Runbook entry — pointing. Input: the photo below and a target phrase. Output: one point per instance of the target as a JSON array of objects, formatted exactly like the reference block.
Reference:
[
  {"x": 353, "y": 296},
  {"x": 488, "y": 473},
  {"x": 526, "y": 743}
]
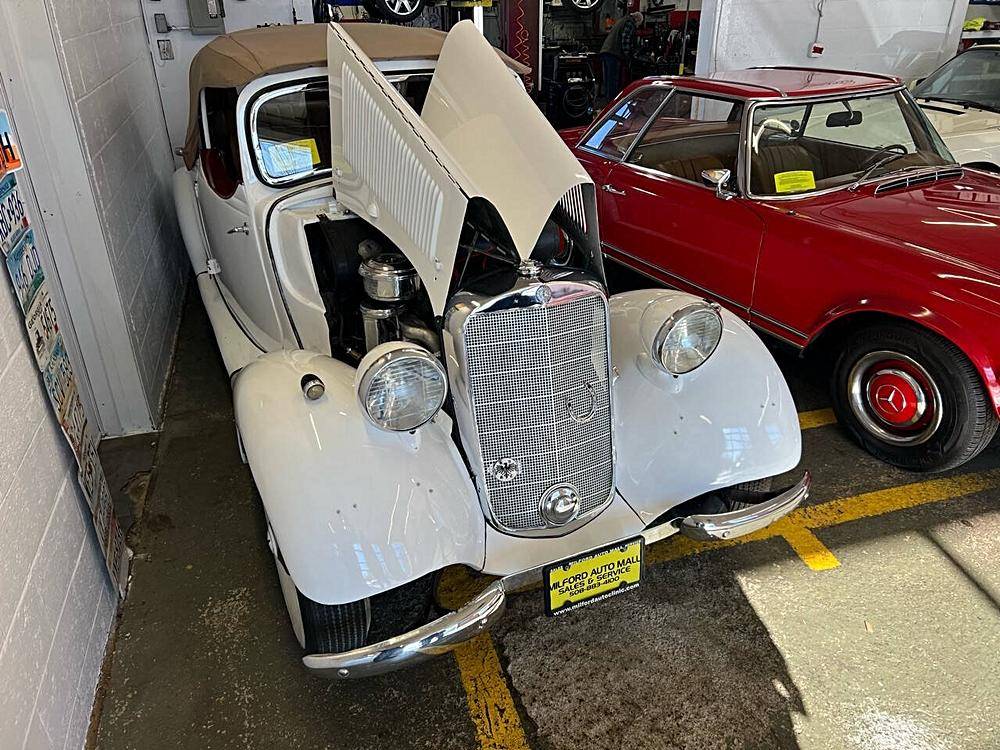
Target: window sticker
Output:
[
  {"x": 795, "y": 181},
  {"x": 309, "y": 143},
  {"x": 291, "y": 157}
]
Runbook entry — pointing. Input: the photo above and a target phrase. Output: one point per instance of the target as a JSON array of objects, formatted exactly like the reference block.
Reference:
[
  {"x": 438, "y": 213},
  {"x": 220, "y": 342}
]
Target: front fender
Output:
[
  {"x": 355, "y": 510},
  {"x": 731, "y": 420}
]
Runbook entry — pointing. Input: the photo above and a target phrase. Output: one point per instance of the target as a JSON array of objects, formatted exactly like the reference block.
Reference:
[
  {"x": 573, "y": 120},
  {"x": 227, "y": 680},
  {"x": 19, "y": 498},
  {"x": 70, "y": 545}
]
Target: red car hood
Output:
[{"x": 958, "y": 218}]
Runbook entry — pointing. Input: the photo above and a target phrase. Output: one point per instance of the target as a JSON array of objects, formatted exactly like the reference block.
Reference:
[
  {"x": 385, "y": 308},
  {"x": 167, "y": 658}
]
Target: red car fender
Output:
[{"x": 917, "y": 314}]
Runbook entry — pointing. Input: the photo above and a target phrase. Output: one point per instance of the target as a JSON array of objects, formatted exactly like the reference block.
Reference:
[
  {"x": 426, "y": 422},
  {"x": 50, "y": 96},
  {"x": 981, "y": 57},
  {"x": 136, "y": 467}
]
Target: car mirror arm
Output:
[{"x": 719, "y": 178}]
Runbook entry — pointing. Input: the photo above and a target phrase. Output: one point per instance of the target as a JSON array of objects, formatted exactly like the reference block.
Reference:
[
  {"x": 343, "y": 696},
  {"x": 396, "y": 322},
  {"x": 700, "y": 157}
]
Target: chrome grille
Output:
[{"x": 525, "y": 366}]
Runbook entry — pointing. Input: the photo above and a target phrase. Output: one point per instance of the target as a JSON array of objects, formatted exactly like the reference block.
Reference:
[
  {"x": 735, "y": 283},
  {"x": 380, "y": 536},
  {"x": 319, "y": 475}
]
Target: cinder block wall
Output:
[
  {"x": 110, "y": 81},
  {"x": 56, "y": 604}
]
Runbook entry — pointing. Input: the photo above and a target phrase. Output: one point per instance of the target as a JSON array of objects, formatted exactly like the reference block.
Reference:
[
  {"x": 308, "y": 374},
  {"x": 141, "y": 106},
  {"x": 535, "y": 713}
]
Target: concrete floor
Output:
[{"x": 741, "y": 647}]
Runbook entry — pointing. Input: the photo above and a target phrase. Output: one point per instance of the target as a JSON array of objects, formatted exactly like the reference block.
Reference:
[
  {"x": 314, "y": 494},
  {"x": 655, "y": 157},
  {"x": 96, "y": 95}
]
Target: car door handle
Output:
[
  {"x": 236, "y": 230},
  {"x": 612, "y": 189}
]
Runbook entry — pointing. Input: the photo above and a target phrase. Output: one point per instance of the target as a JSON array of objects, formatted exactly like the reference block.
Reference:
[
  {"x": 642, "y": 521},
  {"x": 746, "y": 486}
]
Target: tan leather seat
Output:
[
  {"x": 772, "y": 160},
  {"x": 690, "y": 169}
]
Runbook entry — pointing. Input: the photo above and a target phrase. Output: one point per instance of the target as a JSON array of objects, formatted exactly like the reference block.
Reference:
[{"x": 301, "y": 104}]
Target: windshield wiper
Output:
[
  {"x": 960, "y": 102},
  {"x": 880, "y": 163}
]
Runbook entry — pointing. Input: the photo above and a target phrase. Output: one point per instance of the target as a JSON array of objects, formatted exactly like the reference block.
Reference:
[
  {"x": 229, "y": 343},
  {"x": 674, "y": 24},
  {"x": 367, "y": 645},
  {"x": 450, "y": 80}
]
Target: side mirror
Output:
[{"x": 719, "y": 178}]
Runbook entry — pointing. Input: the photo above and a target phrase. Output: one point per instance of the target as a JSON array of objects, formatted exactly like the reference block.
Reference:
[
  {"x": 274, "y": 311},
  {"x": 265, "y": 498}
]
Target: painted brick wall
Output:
[
  {"x": 908, "y": 38},
  {"x": 109, "y": 75},
  {"x": 56, "y": 603}
]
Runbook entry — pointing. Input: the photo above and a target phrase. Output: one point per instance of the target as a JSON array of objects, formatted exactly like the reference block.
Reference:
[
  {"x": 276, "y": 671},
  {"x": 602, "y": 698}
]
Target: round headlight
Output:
[
  {"x": 401, "y": 386},
  {"x": 687, "y": 338}
]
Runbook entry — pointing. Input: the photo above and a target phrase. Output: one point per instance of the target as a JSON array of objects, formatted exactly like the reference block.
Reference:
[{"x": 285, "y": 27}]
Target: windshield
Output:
[
  {"x": 291, "y": 127},
  {"x": 800, "y": 148},
  {"x": 971, "y": 78}
]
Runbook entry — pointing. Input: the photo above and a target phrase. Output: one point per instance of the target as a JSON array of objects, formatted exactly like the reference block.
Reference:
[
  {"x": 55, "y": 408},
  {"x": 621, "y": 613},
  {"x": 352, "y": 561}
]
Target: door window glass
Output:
[
  {"x": 613, "y": 136},
  {"x": 691, "y": 133}
]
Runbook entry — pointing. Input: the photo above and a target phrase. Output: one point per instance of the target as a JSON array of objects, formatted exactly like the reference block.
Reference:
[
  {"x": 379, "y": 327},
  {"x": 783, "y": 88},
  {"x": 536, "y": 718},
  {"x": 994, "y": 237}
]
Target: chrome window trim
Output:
[
  {"x": 624, "y": 159},
  {"x": 596, "y": 125},
  {"x": 264, "y": 96}
]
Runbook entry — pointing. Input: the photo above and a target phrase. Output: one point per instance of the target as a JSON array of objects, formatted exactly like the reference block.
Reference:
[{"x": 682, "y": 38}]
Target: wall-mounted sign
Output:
[
  {"x": 10, "y": 154},
  {"x": 24, "y": 266}
]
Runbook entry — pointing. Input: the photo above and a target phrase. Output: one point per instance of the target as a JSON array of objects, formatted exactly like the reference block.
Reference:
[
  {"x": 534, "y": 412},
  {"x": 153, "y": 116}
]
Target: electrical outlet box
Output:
[
  {"x": 816, "y": 49},
  {"x": 207, "y": 17},
  {"x": 166, "y": 48},
  {"x": 160, "y": 21}
]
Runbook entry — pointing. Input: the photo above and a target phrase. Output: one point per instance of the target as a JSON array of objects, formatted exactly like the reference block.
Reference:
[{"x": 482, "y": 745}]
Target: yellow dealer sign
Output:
[{"x": 593, "y": 576}]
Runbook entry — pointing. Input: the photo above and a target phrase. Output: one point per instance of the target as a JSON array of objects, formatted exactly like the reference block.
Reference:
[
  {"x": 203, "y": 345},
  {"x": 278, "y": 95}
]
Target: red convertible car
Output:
[{"x": 823, "y": 208}]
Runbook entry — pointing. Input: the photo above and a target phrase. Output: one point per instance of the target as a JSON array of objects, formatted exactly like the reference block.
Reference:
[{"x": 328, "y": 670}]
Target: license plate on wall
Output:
[{"x": 593, "y": 576}]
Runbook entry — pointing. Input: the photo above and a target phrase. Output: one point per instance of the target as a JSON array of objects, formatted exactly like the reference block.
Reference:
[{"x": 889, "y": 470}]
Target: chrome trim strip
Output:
[
  {"x": 450, "y": 631},
  {"x": 779, "y": 324},
  {"x": 618, "y": 251},
  {"x": 723, "y": 526},
  {"x": 881, "y": 76}
]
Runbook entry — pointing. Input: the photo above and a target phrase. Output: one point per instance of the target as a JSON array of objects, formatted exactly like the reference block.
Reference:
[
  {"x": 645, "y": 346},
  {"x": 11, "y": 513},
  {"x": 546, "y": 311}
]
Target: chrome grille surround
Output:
[{"x": 530, "y": 372}]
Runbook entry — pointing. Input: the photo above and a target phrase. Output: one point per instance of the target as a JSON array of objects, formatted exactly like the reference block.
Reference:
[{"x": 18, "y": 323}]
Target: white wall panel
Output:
[{"x": 908, "y": 38}]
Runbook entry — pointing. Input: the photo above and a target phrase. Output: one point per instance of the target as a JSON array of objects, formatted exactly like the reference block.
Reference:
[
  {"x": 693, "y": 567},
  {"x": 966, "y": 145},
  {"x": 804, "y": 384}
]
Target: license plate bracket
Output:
[{"x": 593, "y": 576}]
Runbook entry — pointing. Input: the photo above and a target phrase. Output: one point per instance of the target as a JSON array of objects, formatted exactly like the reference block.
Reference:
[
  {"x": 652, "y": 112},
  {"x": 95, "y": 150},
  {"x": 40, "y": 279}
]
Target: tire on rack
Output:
[
  {"x": 911, "y": 398},
  {"x": 585, "y": 6},
  {"x": 335, "y": 628},
  {"x": 395, "y": 11}
]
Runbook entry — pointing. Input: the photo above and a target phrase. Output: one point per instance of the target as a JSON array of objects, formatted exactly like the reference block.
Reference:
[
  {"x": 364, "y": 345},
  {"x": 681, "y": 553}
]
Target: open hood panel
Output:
[
  {"x": 479, "y": 135},
  {"x": 508, "y": 151}
]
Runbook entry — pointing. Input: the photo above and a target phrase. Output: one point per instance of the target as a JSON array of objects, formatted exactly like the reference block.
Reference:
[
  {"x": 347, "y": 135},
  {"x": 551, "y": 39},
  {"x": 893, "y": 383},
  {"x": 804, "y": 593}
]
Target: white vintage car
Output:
[
  {"x": 401, "y": 263},
  {"x": 962, "y": 101}
]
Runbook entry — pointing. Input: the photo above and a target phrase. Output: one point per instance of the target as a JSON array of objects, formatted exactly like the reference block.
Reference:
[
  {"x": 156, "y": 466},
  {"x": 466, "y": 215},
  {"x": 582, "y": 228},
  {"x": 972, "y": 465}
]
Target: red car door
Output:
[
  {"x": 658, "y": 216},
  {"x": 682, "y": 234}
]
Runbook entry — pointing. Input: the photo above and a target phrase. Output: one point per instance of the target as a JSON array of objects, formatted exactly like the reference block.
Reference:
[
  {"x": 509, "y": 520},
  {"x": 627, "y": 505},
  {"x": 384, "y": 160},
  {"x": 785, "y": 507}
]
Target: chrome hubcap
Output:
[
  {"x": 895, "y": 398},
  {"x": 401, "y": 7}
]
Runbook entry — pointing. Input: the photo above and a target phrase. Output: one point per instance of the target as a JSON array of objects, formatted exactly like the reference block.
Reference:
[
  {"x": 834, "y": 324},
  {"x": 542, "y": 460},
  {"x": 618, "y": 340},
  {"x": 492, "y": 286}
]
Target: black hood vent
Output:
[{"x": 920, "y": 178}]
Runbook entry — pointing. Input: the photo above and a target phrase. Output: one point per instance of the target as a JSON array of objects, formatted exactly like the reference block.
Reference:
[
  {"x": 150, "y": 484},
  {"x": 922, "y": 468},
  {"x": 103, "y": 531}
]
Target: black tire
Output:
[
  {"x": 878, "y": 382},
  {"x": 394, "y": 11},
  {"x": 745, "y": 494},
  {"x": 334, "y": 628}
]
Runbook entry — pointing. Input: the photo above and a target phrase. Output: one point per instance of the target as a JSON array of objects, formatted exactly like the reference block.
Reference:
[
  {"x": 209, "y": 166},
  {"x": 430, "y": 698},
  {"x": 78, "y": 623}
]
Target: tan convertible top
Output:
[{"x": 234, "y": 60}]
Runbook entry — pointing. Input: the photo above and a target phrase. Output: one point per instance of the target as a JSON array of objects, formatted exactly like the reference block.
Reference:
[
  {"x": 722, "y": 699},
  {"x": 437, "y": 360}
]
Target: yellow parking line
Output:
[
  {"x": 796, "y": 525},
  {"x": 818, "y": 418},
  {"x": 809, "y": 548},
  {"x": 491, "y": 706}
]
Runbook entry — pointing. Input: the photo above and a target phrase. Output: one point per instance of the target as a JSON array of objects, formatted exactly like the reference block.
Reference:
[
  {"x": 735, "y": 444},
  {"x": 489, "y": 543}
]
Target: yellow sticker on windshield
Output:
[
  {"x": 794, "y": 182},
  {"x": 307, "y": 143}
]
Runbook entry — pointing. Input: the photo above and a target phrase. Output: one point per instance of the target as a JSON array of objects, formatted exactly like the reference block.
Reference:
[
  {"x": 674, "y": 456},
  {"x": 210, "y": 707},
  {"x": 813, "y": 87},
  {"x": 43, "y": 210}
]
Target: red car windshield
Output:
[{"x": 809, "y": 146}]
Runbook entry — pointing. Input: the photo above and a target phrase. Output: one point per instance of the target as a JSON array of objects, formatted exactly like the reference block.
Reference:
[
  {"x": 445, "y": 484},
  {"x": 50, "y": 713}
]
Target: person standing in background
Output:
[{"x": 616, "y": 48}]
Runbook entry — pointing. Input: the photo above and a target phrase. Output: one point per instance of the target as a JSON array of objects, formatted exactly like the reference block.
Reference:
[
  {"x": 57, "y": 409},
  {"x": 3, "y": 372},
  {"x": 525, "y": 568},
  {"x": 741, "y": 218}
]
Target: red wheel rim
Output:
[{"x": 894, "y": 397}]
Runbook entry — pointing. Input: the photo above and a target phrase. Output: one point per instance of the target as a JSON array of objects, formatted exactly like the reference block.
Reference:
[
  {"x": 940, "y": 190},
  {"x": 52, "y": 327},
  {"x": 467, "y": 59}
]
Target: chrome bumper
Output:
[
  {"x": 721, "y": 526},
  {"x": 453, "y": 629}
]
